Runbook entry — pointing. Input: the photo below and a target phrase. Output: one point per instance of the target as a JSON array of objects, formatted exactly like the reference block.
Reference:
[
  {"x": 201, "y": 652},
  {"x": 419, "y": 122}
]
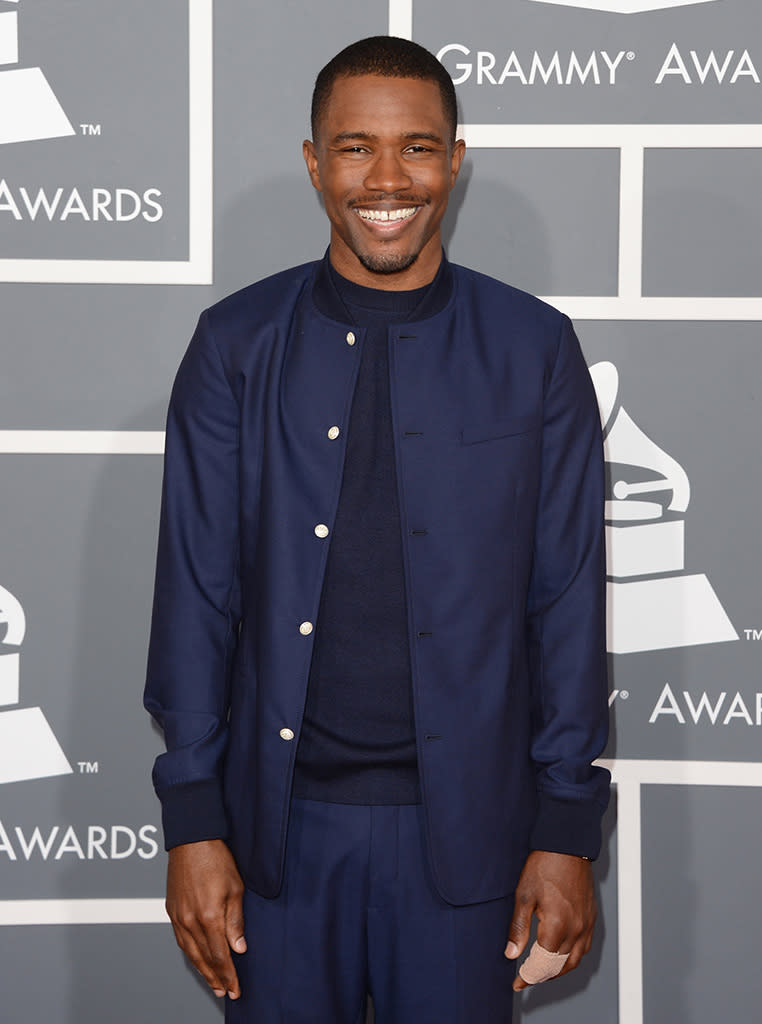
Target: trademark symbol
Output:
[
  {"x": 753, "y": 634},
  {"x": 630, "y": 55},
  {"x": 90, "y": 129},
  {"x": 88, "y": 767}
]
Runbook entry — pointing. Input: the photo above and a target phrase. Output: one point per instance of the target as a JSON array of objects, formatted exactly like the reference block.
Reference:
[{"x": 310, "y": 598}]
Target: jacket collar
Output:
[{"x": 328, "y": 300}]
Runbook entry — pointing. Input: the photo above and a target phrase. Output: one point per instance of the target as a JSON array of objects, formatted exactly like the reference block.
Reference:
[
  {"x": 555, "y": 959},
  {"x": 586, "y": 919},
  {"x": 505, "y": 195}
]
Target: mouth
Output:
[
  {"x": 386, "y": 221},
  {"x": 387, "y": 216}
]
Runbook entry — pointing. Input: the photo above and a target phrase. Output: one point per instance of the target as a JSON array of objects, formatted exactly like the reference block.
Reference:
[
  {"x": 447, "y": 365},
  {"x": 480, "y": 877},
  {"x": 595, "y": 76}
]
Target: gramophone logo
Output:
[
  {"x": 28, "y": 108},
  {"x": 624, "y": 6},
  {"x": 28, "y": 748},
  {"x": 652, "y": 603}
]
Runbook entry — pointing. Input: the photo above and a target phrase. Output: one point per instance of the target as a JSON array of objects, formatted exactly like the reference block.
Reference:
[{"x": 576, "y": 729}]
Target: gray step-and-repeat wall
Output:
[{"x": 615, "y": 167}]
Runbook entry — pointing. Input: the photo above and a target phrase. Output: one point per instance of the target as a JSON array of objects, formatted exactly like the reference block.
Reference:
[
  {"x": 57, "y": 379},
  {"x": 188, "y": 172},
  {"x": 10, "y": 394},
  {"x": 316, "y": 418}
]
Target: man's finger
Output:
[
  {"x": 234, "y": 929},
  {"x": 542, "y": 965},
  {"x": 552, "y": 937},
  {"x": 220, "y": 960},
  {"x": 202, "y": 937},
  {"x": 557, "y": 935},
  {"x": 518, "y": 933},
  {"x": 579, "y": 952},
  {"x": 190, "y": 947}
]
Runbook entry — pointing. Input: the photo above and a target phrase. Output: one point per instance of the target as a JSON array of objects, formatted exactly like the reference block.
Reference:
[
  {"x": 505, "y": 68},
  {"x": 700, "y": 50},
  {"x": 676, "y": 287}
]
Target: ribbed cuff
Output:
[
  {"x": 567, "y": 826},
  {"x": 192, "y": 812}
]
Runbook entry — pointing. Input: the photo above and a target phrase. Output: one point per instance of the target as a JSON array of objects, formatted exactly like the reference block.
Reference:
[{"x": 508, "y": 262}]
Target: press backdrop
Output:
[{"x": 614, "y": 167}]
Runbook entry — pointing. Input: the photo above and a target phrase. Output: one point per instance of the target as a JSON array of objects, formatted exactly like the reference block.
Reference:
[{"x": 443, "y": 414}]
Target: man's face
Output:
[{"x": 385, "y": 165}]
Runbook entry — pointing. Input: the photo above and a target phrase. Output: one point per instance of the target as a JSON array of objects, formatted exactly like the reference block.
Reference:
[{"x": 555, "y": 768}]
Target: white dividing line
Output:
[
  {"x": 685, "y": 773},
  {"x": 612, "y": 136},
  {"x": 401, "y": 18},
  {"x": 631, "y": 185},
  {"x": 629, "y": 903},
  {"x": 81, "y": 442},
  {"x": 198, "y": 268},
  {"x": 54, "y": 912},
  {"x": 100, "y": 272},
  {"x": 611, "y": 307},
  {"x": 201, "y": 148}
]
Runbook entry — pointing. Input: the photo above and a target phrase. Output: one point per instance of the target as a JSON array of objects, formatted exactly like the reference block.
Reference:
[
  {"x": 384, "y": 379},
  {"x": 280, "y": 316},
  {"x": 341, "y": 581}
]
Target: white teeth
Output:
[{"x": 387, "y": 215}]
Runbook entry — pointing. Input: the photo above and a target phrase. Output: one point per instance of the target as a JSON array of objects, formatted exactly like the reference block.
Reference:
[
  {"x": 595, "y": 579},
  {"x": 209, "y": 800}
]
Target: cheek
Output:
[
  {"x": 335, "y": 197},
  {"x": 442, "y": 187}
]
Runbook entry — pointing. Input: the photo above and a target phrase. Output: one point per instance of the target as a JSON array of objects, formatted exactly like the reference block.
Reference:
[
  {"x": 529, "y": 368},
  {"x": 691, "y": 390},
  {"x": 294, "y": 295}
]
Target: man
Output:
[{"x": 378, "y": 639}]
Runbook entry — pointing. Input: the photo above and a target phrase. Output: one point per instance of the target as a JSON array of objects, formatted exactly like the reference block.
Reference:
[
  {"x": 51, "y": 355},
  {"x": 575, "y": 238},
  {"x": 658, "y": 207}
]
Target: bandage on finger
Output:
[{"x": 541, "y": 965}]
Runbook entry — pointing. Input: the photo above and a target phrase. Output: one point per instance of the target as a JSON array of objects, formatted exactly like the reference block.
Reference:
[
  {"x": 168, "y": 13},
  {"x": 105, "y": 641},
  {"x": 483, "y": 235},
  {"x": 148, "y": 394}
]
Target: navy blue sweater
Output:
[{"x": 357, "y": 742}]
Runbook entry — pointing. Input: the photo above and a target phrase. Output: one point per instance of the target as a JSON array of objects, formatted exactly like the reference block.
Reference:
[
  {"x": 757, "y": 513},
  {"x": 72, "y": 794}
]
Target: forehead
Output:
[{"x": 371, "y": 103}]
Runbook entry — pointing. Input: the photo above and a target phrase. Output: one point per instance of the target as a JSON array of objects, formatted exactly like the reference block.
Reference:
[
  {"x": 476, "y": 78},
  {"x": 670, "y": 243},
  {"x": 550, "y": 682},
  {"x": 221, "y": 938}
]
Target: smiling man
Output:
[{"x": 378, "y": 644}]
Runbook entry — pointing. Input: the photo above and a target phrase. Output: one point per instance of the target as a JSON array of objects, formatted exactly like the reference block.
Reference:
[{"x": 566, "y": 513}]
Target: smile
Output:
[{"x": 387, "y": 216}]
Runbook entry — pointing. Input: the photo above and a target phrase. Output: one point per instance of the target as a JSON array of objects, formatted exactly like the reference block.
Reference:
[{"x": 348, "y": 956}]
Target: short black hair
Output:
[{"x": 391, "y": 57}]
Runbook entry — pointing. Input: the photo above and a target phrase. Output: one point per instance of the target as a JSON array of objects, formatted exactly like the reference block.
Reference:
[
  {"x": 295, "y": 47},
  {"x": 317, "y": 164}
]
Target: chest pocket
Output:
[{"x": 511, "y": 426}]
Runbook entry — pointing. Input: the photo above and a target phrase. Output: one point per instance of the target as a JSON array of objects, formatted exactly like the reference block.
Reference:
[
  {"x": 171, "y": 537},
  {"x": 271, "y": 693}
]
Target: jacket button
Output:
[
  {"x": 306, "y": 628},
  {"x": 351, "y": 339},
  {"x": 287, "y": 734},
  {"x": 333, "y": 433},
  {"x": 321, "y": 530}
]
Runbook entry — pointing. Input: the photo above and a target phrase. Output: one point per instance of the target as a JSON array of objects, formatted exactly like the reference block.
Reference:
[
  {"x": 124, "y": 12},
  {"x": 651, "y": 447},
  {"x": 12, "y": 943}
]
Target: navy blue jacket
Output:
[{"x": 500, "y": 470}]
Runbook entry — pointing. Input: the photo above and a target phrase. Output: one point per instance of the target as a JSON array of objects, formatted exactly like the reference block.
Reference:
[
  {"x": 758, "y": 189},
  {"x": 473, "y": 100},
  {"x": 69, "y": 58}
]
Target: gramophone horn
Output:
[{"x": 627, "y": 445}]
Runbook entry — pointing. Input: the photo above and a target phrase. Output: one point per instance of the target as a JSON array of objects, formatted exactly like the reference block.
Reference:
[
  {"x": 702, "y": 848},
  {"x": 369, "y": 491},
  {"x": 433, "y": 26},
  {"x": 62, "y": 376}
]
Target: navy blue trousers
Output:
[{"x": 358, "y": 914}]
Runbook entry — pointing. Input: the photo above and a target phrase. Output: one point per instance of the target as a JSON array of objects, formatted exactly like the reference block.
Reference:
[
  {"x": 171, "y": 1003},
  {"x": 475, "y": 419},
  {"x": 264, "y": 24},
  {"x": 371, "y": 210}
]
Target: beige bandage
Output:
[{"x": 541, "y": 965}]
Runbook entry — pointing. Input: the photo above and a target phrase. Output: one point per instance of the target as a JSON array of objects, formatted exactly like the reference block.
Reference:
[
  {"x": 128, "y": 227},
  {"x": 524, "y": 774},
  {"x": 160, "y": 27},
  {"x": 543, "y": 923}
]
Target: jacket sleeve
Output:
[
  {"x": 196, "y": 597},
  {"x": 566, "y": 614}
]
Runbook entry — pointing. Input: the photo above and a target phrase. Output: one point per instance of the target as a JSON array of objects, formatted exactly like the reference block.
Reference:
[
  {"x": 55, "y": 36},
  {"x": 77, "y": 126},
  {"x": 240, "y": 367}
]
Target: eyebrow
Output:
[{"x": 370, "y": 137}]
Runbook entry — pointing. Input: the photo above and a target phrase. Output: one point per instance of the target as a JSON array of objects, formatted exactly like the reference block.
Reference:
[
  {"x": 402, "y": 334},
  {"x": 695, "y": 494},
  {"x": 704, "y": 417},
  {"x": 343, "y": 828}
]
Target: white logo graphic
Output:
[
  {"x": 624, "y": 6},
  {"x": 28, "y": 748},
  {"x": 652, "y": 603},
  {"x": 28, "y": 108}
]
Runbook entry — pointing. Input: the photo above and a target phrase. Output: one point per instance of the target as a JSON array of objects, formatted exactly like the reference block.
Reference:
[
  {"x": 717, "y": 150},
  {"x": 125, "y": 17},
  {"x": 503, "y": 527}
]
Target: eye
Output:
[{"x": 417, "y": 148}]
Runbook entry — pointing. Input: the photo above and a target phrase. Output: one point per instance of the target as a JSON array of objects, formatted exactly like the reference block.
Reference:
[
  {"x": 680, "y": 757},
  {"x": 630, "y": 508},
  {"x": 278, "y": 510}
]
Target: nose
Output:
[{"x": 387, "y": 173}]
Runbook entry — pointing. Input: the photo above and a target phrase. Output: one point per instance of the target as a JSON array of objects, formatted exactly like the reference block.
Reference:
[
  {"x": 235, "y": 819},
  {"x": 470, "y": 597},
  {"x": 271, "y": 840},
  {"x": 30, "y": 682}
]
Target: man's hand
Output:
[
  {"x": 558, "y": 888},
  {"x": 205, "y": 906}
]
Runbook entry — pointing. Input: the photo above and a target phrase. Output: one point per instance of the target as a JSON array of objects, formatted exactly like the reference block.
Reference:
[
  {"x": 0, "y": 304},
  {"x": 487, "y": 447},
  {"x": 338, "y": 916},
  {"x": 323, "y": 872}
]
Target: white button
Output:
[
  {"x": 306, "y": 628},
  {"x": 286, "y": 734},
  {"x": 333, "y": 433},
  {"x": 351, "y": 339},
  {"x": 321, "y": 530}
]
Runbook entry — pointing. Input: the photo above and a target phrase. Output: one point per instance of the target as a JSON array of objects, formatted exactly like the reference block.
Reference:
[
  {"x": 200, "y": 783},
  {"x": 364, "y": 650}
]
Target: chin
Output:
[{"x": 387, "y": 263}]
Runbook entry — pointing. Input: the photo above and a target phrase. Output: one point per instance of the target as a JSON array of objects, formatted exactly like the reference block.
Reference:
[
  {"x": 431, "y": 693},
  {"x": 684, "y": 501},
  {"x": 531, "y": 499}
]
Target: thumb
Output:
[
  {"x": 234, "y": 925},
  {"x": 518, "y": 934}
]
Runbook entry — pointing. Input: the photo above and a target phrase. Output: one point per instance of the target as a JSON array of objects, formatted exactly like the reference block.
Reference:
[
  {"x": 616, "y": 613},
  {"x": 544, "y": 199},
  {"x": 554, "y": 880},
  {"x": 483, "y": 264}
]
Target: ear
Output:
[
  {"x": 311, "y": 159},
  {"x": 458, "y": 152}
]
